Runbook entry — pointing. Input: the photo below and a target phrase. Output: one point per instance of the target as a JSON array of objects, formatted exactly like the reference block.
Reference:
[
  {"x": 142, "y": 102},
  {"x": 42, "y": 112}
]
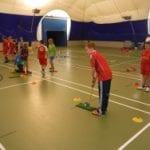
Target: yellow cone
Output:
[
  {"x": 137, "y": 119},
  {"x": 77, "y": 99}
]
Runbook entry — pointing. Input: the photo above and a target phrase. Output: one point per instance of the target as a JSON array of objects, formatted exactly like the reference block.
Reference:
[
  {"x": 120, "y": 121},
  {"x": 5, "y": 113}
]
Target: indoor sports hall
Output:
[{"x": 45, "y": 109}]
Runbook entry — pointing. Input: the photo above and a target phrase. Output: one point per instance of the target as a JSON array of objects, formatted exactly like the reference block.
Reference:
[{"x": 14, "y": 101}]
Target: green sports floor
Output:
[{"x": 41, "y": 114}]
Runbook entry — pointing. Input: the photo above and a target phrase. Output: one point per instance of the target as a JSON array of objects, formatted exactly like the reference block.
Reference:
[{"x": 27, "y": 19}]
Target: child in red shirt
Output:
[
  {"x": 5, "y": 45},
  {"x": 145, "y": 67},
  {"x": 101, "y": 72},
  {"x": 42, "y": 55}
]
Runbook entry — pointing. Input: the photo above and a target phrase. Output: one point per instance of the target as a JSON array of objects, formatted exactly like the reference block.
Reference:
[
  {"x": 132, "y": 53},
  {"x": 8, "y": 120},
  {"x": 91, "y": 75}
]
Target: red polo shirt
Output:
[{"x": 99, "y": 63}]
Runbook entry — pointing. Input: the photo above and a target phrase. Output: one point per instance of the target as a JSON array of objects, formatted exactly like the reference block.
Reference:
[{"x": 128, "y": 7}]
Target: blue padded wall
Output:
[
  {"x": 18, "y": 26},
  {"x": 109, "y": 32}
]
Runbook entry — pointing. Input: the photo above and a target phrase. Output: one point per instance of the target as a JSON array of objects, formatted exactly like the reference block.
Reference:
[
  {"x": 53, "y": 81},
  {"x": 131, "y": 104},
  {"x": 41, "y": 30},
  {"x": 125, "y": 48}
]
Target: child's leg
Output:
[
  {"x": 143, "y": 81},
  {"x": 52, "y": 64},
  {"x": 27, "y": 68},
  {"x": 21, "y": 68},
  {"x": 147, "y": 83},
  {"x": 5, "y": 54},
  {"x": 43, "y": 70},
  {"x": 43, "y": 63},
  {"x": 142, "y": 86},
  {"x": 104, "y": 90},
  {"x": 52, "y": 68},
  {"x": 43, "y": 67},
  {"x": 6, "y": 59}
]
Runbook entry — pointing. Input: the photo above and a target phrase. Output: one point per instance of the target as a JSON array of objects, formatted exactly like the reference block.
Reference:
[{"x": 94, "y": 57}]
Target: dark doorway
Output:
[{"x": 59, "y": 37}]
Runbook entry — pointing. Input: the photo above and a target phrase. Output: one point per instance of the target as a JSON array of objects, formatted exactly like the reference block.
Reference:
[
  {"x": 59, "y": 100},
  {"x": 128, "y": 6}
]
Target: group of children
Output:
[
  {"x": 9, "y": 48},
  {"x": 19, "y": 54},
  {"x": 100, "y": 68}
]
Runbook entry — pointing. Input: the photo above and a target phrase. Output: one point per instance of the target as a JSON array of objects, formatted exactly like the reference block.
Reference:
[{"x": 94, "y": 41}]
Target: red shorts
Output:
[
  {"x": 43, "y": 62},
  {"x": 145, "y": 69},
  {"x": 5, "y": 52},
  {"x": 11, "y": 51}
]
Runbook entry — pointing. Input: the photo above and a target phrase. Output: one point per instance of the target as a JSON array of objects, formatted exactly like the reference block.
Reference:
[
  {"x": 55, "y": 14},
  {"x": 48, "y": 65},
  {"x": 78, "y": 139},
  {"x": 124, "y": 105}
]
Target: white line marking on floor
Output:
[
  {"x": 134, "y": 137},
  {"x": 126, "y": 77},
  {"x": 115, "y": 73},
  {"x": 146, "y": 112},
  {"x": 124, "y": 73},
  {"x": 133, "y": 108},
  {"x": 124, "y": 62},
  {"x": 11, "y": 68},
  {"x": 2, "y": 147},
  {"x": 88, "y": 93},
  {"x": 129, "y": 99},
  {"x": 15, "y": 85}
]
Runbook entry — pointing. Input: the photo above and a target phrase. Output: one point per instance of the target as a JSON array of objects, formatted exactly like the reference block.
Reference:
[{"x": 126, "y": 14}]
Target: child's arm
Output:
[
  {"x": 37, "y": 52},
  {"x": 94, "y": 77},
  {"x": 46, "y": 52},
  {"x": 94, "y": 73},
  {"x": 55, "y": 50}
]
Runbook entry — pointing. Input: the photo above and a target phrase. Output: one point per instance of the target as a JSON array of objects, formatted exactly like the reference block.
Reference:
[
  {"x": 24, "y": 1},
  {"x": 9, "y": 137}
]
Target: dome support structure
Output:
[
  {"x": 34, "y": 11},
  {"x": 129, "y": 18}
]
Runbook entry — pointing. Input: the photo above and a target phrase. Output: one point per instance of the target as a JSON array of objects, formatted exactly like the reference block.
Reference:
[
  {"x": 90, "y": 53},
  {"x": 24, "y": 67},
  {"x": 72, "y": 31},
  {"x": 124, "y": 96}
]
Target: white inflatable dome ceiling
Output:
[{"x": 98, "y": 11}]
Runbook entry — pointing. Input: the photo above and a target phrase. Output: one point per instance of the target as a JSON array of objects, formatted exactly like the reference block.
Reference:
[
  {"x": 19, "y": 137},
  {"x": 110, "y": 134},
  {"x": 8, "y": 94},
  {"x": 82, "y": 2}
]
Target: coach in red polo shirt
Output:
[{"x": 101, "y": 73}]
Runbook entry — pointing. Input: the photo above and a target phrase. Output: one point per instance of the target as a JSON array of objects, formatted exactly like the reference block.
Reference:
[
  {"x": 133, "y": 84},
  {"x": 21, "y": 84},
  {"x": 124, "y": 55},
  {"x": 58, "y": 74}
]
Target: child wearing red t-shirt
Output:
[
  {"x": 145, "y": 67},
  {"x": 42, "y": 55},
  {"x": 103, "y": 74},
  {"x": 11, "y": 48},
  {"x": 5, "y": 45}
]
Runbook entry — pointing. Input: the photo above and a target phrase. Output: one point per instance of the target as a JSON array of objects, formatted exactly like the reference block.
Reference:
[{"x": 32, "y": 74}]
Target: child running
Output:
[
  {"x": 42, "y": 55},
  {"x": 52, "y": 53},
  {"x": 145, "y": 67}
]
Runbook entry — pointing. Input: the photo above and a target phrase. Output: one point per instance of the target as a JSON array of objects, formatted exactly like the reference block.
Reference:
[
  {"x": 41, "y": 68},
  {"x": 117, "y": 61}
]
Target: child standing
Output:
[
  {"x": 42, "y": 56},
  {"x": 24, "y": 56},
  {"x": 18, "y": 63},
  {"x": 11, "y": 48},
  {"x": 52, "y": 52},
  {"x": 145, "y": 66},
  {"x": 101, "y": 72},
  {"x": 5, "y": 45}
]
